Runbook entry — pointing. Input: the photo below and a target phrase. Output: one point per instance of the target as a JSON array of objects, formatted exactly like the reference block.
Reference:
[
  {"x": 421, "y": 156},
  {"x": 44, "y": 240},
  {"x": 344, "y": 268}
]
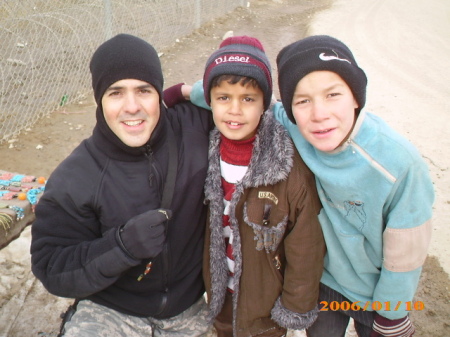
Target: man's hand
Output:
[{"x": 143, "y": 236}]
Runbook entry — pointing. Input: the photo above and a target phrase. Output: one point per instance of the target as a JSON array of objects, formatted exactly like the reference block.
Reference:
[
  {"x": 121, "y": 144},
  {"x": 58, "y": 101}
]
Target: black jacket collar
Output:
[{"x": 108, "y": 142}]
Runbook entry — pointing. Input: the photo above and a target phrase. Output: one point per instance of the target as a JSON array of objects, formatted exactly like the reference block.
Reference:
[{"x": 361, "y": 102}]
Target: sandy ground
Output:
[{"x": 401, "y": 44}]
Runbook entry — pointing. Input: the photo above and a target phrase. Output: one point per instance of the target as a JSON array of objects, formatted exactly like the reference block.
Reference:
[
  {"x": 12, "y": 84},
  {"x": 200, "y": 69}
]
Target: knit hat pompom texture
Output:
[
  {"x": 125, "y": 57},
  {"x": 315, "y": 53},
  {"x": 243, "y": 56}
]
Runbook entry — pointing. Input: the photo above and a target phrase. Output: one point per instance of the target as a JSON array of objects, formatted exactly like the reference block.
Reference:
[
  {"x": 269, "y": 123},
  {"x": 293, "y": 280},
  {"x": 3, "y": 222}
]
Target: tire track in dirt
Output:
[{"x": 400, "y": 48}]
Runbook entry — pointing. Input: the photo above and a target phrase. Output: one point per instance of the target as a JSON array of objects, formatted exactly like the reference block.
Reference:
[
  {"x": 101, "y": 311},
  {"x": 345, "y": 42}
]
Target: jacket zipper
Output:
[
  {"x": 372, "y": 161},
  {"x": 154, "y": 174},
  {"x": 165, "y": 268},
  {"x": 165, "y": 255},
  {"x": 149, "y": 155}
]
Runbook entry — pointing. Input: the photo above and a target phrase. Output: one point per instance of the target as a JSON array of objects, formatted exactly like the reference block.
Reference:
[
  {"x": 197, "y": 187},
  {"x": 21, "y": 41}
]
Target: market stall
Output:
[{"x": 18, "y": 197}]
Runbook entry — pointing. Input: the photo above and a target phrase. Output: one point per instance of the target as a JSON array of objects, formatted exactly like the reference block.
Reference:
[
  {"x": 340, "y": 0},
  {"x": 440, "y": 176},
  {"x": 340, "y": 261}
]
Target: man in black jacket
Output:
[{"x": 120, "y": 226}]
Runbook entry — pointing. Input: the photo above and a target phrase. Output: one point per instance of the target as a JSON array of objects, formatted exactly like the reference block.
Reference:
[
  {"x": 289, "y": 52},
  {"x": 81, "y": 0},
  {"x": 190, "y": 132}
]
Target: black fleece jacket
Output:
[{"x": 97, "y": 189}]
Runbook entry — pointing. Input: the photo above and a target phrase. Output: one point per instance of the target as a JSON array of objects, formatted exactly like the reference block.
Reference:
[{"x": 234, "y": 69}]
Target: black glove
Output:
[{"x": 143, "y": 236}]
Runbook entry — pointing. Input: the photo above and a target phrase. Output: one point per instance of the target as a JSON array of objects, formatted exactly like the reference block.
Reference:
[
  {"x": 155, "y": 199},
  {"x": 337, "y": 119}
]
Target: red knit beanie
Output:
[{"x": 243, "y": 56}]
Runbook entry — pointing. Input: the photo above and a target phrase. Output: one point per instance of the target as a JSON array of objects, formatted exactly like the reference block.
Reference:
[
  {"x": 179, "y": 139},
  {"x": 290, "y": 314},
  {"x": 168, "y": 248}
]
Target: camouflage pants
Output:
[{"x": 92, "y": 319}]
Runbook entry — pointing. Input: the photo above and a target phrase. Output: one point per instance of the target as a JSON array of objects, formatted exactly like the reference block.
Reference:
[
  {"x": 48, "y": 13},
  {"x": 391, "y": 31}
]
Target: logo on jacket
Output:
[
  {"x": 268, "y": 195},
  {"x": 356, "y": 207}
]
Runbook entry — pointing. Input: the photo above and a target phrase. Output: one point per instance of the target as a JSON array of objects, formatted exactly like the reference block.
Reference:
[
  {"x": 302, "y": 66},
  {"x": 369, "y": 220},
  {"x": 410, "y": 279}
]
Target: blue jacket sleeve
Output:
[
  {"x": 280, "y": 115},
  {"x": 197, "y": 95},
  {"x": 406, "y": 239}
]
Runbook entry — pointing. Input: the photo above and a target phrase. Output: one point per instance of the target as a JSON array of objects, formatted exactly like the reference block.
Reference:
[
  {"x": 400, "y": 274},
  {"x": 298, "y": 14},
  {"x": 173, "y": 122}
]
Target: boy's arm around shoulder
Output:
[
  {"x": 182, "y": 92},
  {"x": 280, "y": 114},
  {"x": 187, "y": 117},
  {"x": 189, "y": 114},
  {"x": 197, "y": 95},
  {"x": 304, "y": 246},
  {"x": 175, "y": 94}
]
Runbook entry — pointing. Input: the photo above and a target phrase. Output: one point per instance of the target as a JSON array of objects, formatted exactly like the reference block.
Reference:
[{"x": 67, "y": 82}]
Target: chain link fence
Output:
[{"x": 47, "y": 45}]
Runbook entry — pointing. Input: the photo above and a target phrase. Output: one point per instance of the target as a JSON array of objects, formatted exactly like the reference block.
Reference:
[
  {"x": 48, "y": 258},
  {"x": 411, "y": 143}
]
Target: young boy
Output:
[
  {"x": 375, "y": 189},
  {"x": 264, "y": 247}
]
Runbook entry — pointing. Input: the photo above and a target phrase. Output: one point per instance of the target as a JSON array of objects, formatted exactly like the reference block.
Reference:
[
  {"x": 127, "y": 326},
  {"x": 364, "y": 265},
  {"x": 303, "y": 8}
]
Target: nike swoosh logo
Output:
[{"x": 324, "y": 57}]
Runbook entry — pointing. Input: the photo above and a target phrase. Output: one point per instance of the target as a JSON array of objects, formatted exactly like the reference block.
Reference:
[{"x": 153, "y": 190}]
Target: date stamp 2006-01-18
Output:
[{"x": 375, "y": 306}]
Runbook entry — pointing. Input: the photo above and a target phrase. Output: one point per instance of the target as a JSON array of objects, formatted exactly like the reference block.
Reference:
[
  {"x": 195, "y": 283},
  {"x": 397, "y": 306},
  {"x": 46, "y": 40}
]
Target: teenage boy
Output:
[
  {"x": 120, "y": 226},
  {"x": 264, "y": 247},
  {"x": 375, "y": 189}
]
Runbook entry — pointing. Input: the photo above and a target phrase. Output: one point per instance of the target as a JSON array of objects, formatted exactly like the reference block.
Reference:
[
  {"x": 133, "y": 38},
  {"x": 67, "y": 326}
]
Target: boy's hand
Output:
[
  {"x": 186, "y": 91},
  {"x": 384, "y": 327}
]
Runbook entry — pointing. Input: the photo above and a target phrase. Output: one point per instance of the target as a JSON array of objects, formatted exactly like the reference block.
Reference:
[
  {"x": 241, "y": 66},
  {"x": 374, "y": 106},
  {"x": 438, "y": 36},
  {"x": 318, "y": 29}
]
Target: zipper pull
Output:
[
  {"x": 149, "y": 154},
  {"x": 164, "y": 212},
  {"x": 266, "y": 216}
]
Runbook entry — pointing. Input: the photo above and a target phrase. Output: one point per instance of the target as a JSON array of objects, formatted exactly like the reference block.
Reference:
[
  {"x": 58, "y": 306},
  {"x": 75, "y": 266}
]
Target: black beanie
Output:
[
  {"x": 125, "y": 57},
  {"x": 243, "y": 56},
  {"x": 314, "y": 53}
]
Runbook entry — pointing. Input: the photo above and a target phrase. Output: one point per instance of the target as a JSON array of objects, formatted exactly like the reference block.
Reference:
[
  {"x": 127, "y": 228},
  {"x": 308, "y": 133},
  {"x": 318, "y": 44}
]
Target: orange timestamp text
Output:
[{"x": 372, "y": 306}]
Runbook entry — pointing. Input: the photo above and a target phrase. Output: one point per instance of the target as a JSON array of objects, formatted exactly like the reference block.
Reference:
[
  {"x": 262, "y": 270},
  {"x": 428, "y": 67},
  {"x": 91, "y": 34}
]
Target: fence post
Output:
[{"x": 108, "y": 18}]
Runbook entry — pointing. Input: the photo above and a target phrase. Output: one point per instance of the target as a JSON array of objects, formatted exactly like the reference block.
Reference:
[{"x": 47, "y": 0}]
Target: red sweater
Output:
[{"x": 234, "y": 159}]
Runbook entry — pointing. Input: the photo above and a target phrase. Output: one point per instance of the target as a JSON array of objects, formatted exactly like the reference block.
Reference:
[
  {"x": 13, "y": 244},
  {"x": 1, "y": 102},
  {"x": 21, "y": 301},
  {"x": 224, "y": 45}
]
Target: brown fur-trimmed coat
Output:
[{"x": 278, "y": 264}]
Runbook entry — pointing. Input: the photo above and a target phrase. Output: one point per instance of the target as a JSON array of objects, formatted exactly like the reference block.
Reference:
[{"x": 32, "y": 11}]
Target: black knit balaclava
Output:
[
  {"x": 315, "y": 53},
  {"x": 243, "y": 56},
  {"x": 123, "y": 57}
]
